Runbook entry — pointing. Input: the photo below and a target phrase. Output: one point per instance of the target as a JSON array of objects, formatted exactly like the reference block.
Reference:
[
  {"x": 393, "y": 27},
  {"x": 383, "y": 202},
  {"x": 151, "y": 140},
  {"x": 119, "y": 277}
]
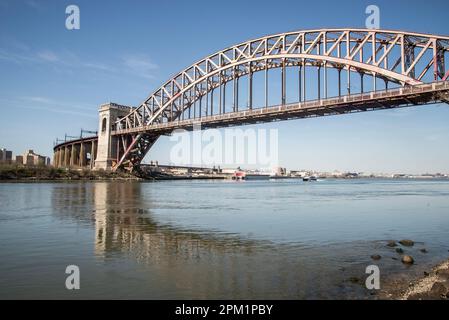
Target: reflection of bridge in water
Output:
[
  {"x": 120, "y": 224},
  {"x": 331, "y": 68},
  {"x": 195, "y": 262},
  {"x": 123, "y": 216}
]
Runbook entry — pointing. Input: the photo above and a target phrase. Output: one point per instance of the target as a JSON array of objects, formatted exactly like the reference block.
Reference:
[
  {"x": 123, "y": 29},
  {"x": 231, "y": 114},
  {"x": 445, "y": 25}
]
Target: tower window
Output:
[{"x": 103, "y": 125}]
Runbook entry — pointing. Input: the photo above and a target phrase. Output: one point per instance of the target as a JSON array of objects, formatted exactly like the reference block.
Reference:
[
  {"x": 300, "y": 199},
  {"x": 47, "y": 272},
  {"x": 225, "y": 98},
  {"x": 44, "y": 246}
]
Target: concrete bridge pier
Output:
[
  {"x": 74, "y": 153},
  {"x": 67, "y": 156},
  {"x": 60, "y": 158},
  {"x": 107, "y": 155},
  {"x": 83, "y": 155},
  {"x": 56, "y": 158}
]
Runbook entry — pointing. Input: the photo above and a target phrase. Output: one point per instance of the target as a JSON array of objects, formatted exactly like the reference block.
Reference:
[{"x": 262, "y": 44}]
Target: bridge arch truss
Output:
[{"x": 387, "y": 58}]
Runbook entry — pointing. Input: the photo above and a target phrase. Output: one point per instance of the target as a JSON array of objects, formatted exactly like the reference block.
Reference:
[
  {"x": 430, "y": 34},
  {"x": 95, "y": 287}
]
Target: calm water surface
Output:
[{"x": 215, "y": 239}]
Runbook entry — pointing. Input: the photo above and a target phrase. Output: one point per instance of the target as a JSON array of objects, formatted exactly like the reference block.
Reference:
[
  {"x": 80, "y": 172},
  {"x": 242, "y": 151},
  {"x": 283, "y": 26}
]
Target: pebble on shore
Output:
[
  {"x": 391, "y": 243},
  {"x": 407, "y": 259},
  {"x": 407, "y": 243}
]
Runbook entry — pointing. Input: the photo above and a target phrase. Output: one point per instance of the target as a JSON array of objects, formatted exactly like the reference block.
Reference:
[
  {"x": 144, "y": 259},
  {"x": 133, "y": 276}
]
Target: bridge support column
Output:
[
  {"x": 60, "y": 157},
  {"x": 55, "y": 159},
  {"x": 82, "y": 159},
  {"x": 72, "y": 155},
  {"x": 93, "y": 154},
  {"x": 57, "y": 163},
  {"x": 66, "y": 157},
  {"x": 107, "y": 144}
]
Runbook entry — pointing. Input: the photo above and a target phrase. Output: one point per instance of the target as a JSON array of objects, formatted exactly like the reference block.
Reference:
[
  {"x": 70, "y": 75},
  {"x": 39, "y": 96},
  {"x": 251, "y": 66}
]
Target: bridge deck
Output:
[{"x": 392, "y": 98}]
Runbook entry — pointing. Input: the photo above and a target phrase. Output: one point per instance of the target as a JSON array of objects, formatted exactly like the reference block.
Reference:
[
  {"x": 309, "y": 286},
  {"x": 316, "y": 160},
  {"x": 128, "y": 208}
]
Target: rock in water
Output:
[
  {"x": 399, "y": 250},
  {"x": 391, "y": 243},
  {"x": 407, "y": 259},
  {"x": 376, "y": 257},
  {"x": 423, "y": 250},
  {"x": 407, "y": 243}
]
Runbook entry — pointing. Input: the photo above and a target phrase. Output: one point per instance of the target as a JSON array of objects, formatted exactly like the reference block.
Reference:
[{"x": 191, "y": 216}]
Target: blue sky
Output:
[{"x": 52, "y": 80}]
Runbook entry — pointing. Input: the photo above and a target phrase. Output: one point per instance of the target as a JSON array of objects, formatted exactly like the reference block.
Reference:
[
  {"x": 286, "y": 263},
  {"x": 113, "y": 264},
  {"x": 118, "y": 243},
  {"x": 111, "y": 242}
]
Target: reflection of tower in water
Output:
[
  {"x": 118, "y": 216},
  {"x": 100, "y": 199},
  {"x": 203, "y": 263},
  {"x": 123, "y": 221}
]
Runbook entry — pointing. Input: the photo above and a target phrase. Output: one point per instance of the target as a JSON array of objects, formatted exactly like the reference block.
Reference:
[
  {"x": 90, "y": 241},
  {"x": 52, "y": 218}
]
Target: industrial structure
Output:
[{"x": 336, "y": 71}]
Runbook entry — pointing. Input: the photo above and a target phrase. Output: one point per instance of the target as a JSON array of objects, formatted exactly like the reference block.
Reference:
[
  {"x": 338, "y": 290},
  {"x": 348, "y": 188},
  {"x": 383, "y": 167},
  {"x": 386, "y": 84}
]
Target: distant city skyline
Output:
[{"x": 53, "y": 80}]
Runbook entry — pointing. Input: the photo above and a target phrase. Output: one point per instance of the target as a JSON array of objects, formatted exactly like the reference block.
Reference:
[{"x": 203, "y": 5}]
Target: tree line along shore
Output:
[
  {"x": 13, "y": 172},
  {"x": 34, "y": 173}
]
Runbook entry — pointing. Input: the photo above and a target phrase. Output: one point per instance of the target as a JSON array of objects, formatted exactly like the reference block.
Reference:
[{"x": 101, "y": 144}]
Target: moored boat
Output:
[{"x": 242, "y": 175}]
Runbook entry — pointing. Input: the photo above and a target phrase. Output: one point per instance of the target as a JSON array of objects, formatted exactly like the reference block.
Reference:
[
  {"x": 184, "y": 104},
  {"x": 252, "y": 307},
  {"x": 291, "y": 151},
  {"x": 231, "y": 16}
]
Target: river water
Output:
[{"x": 278, "y": 239}]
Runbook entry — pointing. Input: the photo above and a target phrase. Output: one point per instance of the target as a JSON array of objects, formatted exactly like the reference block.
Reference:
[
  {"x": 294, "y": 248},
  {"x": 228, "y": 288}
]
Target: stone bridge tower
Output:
[{"x": 107, "y": 144}]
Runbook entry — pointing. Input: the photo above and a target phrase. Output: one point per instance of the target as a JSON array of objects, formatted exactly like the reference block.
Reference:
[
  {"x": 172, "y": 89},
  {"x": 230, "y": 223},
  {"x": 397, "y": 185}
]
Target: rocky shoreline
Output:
[
  {"x": 409, "y": 270},
  {"x": 433, "y": 284}
]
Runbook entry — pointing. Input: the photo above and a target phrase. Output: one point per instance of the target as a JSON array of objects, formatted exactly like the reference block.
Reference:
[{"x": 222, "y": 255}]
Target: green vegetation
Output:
[{"x": 18, "y": 172}]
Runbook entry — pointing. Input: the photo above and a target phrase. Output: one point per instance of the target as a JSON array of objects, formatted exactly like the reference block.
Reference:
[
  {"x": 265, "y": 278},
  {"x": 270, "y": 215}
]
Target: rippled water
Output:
[{"x": 215, "y": 239}]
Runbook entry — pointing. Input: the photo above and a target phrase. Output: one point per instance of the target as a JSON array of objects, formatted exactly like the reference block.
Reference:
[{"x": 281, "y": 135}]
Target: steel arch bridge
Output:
[{"x": 336, "y": 71}]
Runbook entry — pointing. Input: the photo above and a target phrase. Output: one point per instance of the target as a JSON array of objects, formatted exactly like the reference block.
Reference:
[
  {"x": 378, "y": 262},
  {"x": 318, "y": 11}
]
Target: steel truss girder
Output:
[
  {"x": 134, "y": 153},
  {"x": 361, "y": 50}
]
